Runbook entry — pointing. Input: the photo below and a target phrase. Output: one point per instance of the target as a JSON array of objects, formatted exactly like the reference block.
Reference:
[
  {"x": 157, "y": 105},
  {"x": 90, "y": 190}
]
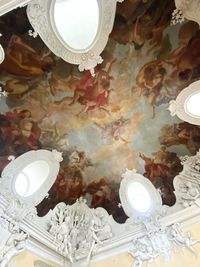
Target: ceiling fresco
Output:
[{"x": 107, "y": 123}]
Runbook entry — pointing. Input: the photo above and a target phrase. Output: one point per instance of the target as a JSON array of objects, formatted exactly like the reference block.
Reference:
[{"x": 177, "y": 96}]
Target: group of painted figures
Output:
[{"x": 49, "y": 99}]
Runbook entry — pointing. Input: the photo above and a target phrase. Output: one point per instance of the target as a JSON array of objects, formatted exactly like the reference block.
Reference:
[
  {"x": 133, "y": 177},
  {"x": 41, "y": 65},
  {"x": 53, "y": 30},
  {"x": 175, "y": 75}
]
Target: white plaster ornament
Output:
[
  {"x": 76, "y": 233},
  {"x": 179, "y": 106},
  {"x": 79, "y": 229},
  {"x": 41, "y": 15},
  {"x": 188, "y": 9}
]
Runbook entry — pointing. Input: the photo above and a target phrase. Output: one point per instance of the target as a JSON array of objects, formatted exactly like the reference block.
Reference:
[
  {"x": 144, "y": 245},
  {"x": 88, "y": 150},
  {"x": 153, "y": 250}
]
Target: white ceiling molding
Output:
[
  {"x": 42, "y": 16},
  {"x": 188, "y": 9},
  {"x": 180, "y": 108},
  {"x": 95, "y": 234},
  {"x": 8, "y": 5},
  {"x": 40, "y": 263}
]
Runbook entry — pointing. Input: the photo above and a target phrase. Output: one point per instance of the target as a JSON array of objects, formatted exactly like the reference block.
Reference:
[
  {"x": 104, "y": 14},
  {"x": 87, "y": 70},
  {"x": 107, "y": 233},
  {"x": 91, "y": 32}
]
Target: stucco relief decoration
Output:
[
  {"x": 40, "y": 14},
  {"x": 186, "y": 184},
  {"x": 16, "y": 242},
  {"x": 188, "y": 9},
  {"x": 79, "y": 229},
  {"x": 103, "y": 124},
  {"x": 160, "y": 241},
  {"x": 180, "y": 107}
]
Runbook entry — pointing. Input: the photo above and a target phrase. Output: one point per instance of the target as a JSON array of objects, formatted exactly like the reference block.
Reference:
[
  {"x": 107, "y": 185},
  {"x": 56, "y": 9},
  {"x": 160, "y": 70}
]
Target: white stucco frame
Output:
[
  {"x": 155, "y": 197},
  {"x": 40, "y": 14},
  {"x": 43, "y": 244},
  {"x": 178, "y": 106},
  {"x": 13, "y": 169}
]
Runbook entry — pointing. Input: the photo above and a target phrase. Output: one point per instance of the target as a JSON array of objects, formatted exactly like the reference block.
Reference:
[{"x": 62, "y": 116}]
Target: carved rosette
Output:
[{"x": 79, "y": 229}]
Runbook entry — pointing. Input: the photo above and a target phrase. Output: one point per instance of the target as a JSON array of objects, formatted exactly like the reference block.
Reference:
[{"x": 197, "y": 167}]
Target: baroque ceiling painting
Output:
[{"x": 104, "y": 124}]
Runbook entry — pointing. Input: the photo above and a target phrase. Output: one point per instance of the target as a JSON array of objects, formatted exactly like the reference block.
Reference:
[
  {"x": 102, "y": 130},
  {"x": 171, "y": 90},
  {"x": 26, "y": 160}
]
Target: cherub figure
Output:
[
  {"x": 185, "y": 241},
  {"x": 144, "y": 253}
]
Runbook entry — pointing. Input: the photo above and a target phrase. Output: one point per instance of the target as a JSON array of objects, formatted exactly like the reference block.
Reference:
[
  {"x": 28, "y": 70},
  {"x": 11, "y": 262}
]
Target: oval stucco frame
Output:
[
  {"x": 40, "y": 15},
  {"x": 178, "y": 106}
]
